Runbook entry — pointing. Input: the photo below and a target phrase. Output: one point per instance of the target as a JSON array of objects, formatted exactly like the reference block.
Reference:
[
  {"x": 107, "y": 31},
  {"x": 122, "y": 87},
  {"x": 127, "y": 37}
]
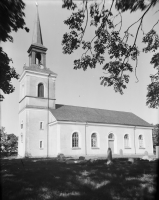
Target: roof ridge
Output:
[{"x": 95, "y": 108}]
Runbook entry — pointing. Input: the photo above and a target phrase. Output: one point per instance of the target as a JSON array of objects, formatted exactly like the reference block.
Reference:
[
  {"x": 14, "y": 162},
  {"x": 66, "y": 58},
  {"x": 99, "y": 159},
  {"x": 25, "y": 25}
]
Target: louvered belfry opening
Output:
[{"x": 38, "y": 58}]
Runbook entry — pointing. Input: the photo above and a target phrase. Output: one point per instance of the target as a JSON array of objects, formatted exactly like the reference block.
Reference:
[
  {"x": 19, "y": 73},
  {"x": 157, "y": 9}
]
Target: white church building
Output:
[{"x": 47, "y": 129}]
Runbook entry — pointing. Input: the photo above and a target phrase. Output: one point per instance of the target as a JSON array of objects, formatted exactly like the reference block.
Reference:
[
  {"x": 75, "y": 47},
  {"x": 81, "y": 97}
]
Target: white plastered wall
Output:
[{"x": 86, "y": 130}]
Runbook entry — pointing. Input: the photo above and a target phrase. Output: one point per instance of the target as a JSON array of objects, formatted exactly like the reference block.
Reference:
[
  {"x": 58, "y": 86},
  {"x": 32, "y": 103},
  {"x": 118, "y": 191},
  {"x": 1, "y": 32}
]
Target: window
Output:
[
  {"x": 22, "y": 91},
  {"x": 126, "y": 141},
  {"x": 75, "y": 139},
  {"x": 41, "y": 144},
  {"x": 22, "y": 125},
  {"x": 40, "y": 90},
  {"x": 94, "y": 140},
  {"x": 38, "y": 58},
  {"x": 140, "y": 141},
  {"x": 111, "y": 136},
  {"x": 41, "y": 125},
  {"x": 22, "y": 137}
]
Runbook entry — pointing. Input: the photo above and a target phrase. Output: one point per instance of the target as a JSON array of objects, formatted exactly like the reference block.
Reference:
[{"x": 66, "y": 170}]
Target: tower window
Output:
[
  {"x": 40, "y": 90},
  {"x": 22, "y": 125},
  {"x": 41, "y": 125},
  {"x": 38, "y": 58},
  {"x": 22, "y": 137},
  {"x": 41, "y": 144}
]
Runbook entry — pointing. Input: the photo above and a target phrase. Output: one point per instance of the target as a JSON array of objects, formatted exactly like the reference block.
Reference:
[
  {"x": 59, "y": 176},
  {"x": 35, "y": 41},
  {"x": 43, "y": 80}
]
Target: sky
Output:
[{"x": 76, "y": 87}]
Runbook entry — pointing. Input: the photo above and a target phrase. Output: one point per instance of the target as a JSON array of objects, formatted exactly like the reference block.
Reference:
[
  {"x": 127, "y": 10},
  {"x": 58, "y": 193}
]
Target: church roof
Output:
[
  {"x": 94, "y": 115},
  {"x": 36, "y": 68}
]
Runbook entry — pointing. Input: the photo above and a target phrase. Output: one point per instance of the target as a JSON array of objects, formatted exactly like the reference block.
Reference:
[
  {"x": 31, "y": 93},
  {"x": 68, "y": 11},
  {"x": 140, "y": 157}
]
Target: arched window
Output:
[
  {"x": 75, "y": 139},
  {"x": 126, "y": 140},
  {"x": 40, "y": 90},
  {"x": 140, "y": 141},
  {"x": 111, "y": 136},
  {"x": 94, "y": 140}
]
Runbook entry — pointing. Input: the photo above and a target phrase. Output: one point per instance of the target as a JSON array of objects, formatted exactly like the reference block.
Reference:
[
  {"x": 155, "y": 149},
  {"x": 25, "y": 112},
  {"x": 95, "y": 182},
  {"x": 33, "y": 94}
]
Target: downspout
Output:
[
  {"x": 48, "y": 120},
  {"x": 85, "y": 140},
  {"x": 134, "y": 140}
]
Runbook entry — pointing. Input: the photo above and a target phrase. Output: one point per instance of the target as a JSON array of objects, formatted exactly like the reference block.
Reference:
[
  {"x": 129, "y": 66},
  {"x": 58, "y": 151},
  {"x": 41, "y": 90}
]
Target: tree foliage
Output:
[
  {"x": 8, "y": 142},
  {"x": 155, "y": 135},
  {"x": 108, "y": 39},
  {"x": 11, "y": 19}
]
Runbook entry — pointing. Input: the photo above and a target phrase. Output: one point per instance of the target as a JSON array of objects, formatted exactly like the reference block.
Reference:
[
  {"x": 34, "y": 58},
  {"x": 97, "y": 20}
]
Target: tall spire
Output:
[
  {"x": 37, "y": 52},
  {"x": 37, "y": 35}
]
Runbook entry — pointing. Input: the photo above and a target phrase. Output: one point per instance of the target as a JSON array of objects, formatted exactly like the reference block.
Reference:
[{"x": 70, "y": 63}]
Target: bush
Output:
[
  {"x": 81, "y": 158},
  {"x": 60, "y": 156}
]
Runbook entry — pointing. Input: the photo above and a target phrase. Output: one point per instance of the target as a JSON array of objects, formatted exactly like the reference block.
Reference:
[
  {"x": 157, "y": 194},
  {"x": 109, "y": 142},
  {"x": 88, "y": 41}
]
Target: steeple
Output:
[
  {"x": 37, "y": 52},
  {"x": 37, "y": 35}
]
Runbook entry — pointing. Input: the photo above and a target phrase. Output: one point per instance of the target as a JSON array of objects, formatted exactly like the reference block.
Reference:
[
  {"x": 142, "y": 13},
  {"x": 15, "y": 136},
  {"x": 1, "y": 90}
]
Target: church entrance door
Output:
[
  {"x": 111, "y": 145},
  {"x": 111, "y": 142}
]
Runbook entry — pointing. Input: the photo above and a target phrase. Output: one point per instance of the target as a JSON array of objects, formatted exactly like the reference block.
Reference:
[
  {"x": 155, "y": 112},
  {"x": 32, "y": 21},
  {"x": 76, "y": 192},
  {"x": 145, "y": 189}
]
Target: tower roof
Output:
[
  {"x": 37, "y": 52},
  {"x": 37, "y": 35}
]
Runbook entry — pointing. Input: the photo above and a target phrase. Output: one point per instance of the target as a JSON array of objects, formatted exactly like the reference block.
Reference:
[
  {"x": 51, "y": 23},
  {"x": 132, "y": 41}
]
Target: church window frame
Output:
[
  {"x": 141, "y": 141},
  {"x": 94, "y": 140},
  {"x": 126, "y": 141},
  {"x": 75, "y": 139},
  {"x": 40, "y": 90}
]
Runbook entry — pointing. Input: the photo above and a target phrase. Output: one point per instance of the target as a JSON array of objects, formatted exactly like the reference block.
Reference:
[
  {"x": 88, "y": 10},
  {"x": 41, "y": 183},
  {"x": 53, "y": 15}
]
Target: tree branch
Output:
[
  {"x": 155, "y": 24},
  {"x": 140, "y": 19}
]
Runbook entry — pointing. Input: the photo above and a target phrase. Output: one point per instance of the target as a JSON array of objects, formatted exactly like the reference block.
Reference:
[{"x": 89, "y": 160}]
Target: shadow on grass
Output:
[{"x": 50, "y": 179}]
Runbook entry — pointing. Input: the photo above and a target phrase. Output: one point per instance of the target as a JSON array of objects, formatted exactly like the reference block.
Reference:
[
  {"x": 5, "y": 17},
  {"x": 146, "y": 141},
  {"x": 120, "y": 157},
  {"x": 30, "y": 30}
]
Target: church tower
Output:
[{"x": 37, "y": 96}]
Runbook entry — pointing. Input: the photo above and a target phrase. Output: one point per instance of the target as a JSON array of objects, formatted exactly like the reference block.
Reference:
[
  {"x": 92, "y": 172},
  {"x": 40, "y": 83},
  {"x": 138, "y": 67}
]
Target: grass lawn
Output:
[{"x": 52, "y": 179}]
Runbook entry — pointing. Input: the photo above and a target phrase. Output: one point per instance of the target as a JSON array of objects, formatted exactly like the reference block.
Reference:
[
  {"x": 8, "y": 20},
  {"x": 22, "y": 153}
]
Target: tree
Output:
[
  {"x": 109, "y": 39},
  {"x": 12, "y": 143},
  {"x": 155, "y": 136},
  {"x": 9, "y": 142},
  {"x": 11, "y": 19},
  {"x": 3, "y": 137}
]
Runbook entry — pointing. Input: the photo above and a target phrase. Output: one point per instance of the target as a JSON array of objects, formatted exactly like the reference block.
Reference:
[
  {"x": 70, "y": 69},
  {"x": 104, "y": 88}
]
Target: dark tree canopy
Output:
[
  {"x": 6, "y": 73},
  {"x": 8, "y": 142},
  {"x": 108, "y": 39},
  {"x": 155, "y": 135},
  {"x": 11, "y": 19}
]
